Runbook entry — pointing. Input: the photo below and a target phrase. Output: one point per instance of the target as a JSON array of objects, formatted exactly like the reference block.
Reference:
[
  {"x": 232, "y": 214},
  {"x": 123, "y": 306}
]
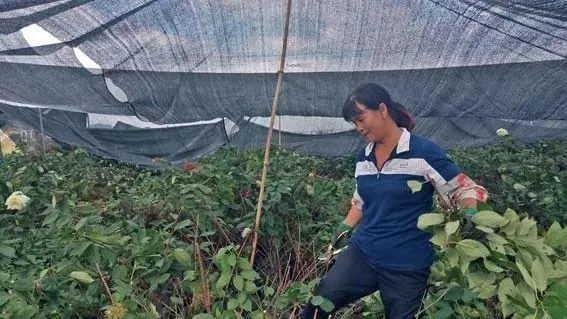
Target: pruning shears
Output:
[{"x": 332, "y": 250}]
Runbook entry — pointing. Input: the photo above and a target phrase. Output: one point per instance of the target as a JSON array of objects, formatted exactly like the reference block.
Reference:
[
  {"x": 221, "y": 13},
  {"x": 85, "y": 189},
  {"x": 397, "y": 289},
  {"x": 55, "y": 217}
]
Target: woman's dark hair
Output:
[{"x": 371, "y": 95}]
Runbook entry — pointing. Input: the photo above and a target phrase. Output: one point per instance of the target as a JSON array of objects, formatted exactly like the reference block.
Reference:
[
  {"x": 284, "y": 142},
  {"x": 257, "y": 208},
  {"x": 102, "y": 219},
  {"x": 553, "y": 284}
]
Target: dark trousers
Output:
[{"x": 352, "y": 278}]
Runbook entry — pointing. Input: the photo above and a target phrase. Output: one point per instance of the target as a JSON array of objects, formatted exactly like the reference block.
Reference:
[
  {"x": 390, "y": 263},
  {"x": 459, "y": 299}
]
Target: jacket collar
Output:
[{"x": 403, "y": 144}]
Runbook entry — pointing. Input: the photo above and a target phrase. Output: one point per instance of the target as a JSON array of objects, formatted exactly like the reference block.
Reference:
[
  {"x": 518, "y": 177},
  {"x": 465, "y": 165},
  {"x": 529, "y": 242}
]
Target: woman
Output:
[{"x": 387, "y": 252}]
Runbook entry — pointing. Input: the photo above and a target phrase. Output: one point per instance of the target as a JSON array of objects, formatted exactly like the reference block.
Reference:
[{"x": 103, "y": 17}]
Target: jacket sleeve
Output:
[
  {"x": 357, "y": 200},
  {"x": 450, "y": 182}
]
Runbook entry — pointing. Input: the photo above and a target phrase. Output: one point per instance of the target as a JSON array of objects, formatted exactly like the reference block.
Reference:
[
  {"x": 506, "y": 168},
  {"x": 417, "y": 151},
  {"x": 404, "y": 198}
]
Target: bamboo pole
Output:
[
  {"x": 279, "y": 131},
  {"x": 42, "y": 136},
  {"x": 270, "y": 133}
]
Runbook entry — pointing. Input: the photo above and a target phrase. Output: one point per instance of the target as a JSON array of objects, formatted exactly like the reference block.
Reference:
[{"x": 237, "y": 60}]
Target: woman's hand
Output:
[{"x": 340, "y": 236}]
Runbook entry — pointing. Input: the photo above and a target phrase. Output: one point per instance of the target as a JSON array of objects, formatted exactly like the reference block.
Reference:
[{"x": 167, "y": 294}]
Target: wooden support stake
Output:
[{"x": 270, "y": 133}]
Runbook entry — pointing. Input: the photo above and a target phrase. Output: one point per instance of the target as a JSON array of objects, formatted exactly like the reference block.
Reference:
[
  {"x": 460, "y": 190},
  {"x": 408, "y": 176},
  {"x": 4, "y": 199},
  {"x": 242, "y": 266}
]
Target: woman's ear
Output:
[{"x": 383, "y": 108}]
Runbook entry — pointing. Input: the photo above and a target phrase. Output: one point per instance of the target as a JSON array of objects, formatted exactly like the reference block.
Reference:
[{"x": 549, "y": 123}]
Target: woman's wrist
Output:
[{"x": 344, "y": 227}]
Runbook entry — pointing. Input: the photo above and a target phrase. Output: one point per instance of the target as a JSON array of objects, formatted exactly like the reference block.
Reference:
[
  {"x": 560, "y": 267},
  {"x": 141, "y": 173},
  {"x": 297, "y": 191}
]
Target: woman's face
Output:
[{"x": 371, "y": 123}]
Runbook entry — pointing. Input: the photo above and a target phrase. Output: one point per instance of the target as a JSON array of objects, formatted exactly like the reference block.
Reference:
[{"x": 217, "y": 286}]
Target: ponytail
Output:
[{"x": 401, "y": 115}]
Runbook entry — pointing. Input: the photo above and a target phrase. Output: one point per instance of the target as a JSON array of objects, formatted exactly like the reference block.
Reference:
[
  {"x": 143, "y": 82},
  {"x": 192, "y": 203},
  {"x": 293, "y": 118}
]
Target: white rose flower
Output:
[
  {"x": 17, "y": 201},
  {"x": 501, "y": 132},
  {"x": 245, "y": 232}
]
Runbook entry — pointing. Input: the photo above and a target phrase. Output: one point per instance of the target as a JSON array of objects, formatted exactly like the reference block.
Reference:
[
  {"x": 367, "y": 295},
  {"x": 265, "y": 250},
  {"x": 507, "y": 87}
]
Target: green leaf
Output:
[
  {"x": 250, "y": 287},
  {"x": 7, "y": 251},
  {"x": 506, "y": 287},
  {"x": 327, "y": 305},
  {"x": 508, "y": 308},
  {"x": 247, "y": 305},
  {"x": 189, "y": 275},
  {"x": 238, "y": 282},
  {"x": 203, "y": 316},
  {"x": 415, "y": 186},
  {"x": 510, "y": 251},
  {"x": 4, "y": 276},
  {"x": 510, "y": 298},
  {"x": 4, "y": 296},
  {"x": 223, "y": 260},
  {"x": 496, "y": 248},
  {"x": 510, "y": 228},
  {"x": 546, "y": 262},
  {"x": 555, "y": 236},
  {"x": 232, "y": 304},
  {"x": 554, "y": 302},
  {"x": 511, "y": 215},
  {"x": 528, "y": 294},
  {"x": 81, "y": 276},
  {"x": 249, "y": 274},
  {"x": 519, "y": 187},
  {"x": 243, "y": 263},
  {"x": 539, "y": 275},
  {"x": 80, "y": 248},
  {"x": 489, "y": 219},
  {"x": 310, "y": 190},
  {"x": 440, "y": 239},
  {"x": 317, "y": 300},
  {"x": 50, "y": 218},
  {"x": 223, "y": 280},
  {"x": 454, "y": 294},
  {"x": 518, "y": 301},
  {"x": 183, "y": 224},
  {"x": 486, "y": 290},
  {"x": 560, "y": 270},
  {"x": 497, "y": 239},
  {"x": 80, "y": 223},
  {"x": 43, "y": 273},
  {"x": 162, "y": 278},
  {"x": 182, "y": 257},
  {"x": 464, "y": 263},
  {"x": 487, "y": 230},
  {"x": 476, "y": 278},
  {"x": 452, "y": 256},
  {"x": 526, "y": 275},
  {"x": 429, "y": 219},
  {"x": 489, "y": 265},
  {"x": 443, "y": 311},
  {"x": 231, "y": 259},
  {"x": 472, "y": 248},
  {"x": 525, "y": 226},
  {"x": 64, "y": 220},
  {"x": 546, "y": 250},
  {"x": 23, "y": 285},
  {"x": 451, "y": 227},
  {"x": 242, "y": 297},
  {"x": 525, "y": 256}
]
